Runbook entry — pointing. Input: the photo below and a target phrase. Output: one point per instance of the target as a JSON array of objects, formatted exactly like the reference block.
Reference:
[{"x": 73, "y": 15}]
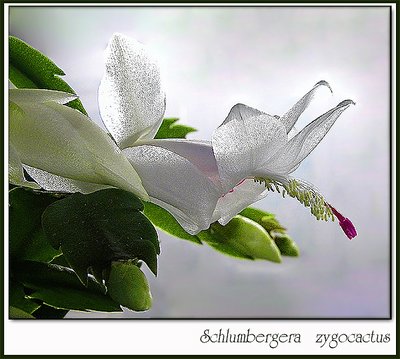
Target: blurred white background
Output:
[{"x": 212, "y": 58}]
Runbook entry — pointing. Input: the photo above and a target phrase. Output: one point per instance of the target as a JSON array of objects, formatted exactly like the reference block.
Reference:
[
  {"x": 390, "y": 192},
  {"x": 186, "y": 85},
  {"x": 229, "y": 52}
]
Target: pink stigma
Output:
[{"x": 347, "y": 227}]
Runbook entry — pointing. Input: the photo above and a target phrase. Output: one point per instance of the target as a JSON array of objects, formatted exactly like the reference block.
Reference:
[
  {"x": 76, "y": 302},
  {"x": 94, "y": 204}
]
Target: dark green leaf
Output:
[
  {"x": 18, "y": 298},
  {"x": 29, "y": 68},
  {"x": 27, "y": 241},
  {"x": 59, "y": 287},
  {"x": 16, "y": 313},
  {"x": 60, "y": 260},
  {"x": 95, "y": 229},
  {"x": 47, "y": 312},
  {"x": 170, "y": 129},
  {"x": 165, "y": 221},
  {"x": 243, "y": 238},
  {"x": 128, "y": 286},
  {"x": 286, "y": 245},
  {"x": 75, "y": 299}
]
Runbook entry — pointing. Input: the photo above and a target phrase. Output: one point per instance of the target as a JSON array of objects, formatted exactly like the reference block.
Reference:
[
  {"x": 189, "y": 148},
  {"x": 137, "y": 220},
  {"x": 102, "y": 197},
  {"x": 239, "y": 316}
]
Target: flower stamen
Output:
[{"x": 303, "y": 192}]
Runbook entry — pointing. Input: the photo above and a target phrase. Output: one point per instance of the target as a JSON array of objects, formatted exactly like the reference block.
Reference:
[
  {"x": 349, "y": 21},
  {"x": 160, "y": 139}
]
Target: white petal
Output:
[
  {"x": 233, "y": 202},
  {"x": 175, "y": 184},
  {"x": 15, "y": 170},
  {"x": 300, "y": 146},
  {"x": 199, "y": 153},
  {"x": 51, "y": 182},
  {"x": 40, "y": 96},
  {"x": 240, "y": 112},
  {"x": 131, "y": 100},
  {"x": 290, "y": 117},
  {"x": 245, "y": 142},
  {"x": 64, "y": 142}
]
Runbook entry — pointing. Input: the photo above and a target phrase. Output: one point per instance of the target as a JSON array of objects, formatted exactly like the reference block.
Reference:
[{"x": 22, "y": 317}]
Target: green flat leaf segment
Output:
[
  {"x": 16, "y": 313},
  {"x": 165, "y": 221},
  {"x": 95, "y": 229},
  {"x": 26, "y": 237},
  {"x": 59, "y": 287},
  {"x": 75, "y": 299},
  {"x": 18, "y": 298},
  {"x": 170, "y": 129},
  {"x": 29, "y": 68}
]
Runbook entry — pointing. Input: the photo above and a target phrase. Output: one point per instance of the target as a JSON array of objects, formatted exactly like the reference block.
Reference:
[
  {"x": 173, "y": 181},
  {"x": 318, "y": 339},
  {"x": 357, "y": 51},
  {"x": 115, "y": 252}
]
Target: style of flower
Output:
[{"x": 198, "y": 182}]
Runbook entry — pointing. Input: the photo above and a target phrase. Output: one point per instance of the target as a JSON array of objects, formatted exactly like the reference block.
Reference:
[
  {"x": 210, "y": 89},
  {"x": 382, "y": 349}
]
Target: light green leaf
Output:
[
  {"x": 29, "y": 68},
  {"x": 101, "y": 227},
  {"x": 16, "y": 313},
  {"x": 128, "y": 286},
  {"x": 170, "y": 129},
  {"x": 165, "y": 221},
  {"x": 242, "y": 237},
  {"x": 265, "y": 219},
  {"x": 286, "y": 245}
]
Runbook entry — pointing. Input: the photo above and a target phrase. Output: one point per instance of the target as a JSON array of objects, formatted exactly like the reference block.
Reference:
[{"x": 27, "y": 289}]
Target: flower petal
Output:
[
  {"x": 40, "y": 96},
  {"x": 15, "y": 170},
  {"x": 235, "y": 201},
  {"x": 199, "y": 153},
  {"x": 300, "y": 146},
  {"x": 131, "y": 100},
  {"x": 64, "y": 142},
  {"x": 290, "y": 117},
  {"x": 244, "y": 143},
  {"x": 51, "y": 182},
  {"x": 175, "y": 184}
]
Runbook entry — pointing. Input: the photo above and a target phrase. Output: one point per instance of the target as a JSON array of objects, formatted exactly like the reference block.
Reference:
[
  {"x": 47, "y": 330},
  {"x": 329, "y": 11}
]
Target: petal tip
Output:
[
  {"x": 346, "y": 103},
  {"x": 323, "y": 83}
]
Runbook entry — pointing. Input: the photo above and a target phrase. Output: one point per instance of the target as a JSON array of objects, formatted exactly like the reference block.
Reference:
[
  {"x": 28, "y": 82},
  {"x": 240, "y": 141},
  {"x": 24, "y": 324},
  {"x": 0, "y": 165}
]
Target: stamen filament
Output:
[{"x": 303, "y": 192}]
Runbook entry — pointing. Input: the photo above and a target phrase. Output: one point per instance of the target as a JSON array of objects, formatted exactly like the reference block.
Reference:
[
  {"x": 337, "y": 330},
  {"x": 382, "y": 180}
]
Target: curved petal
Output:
[
  {"x": 15, "y": 170},
  {"x": 245, "y": 142},
  {"x": 51, "y": 182},
  {"x": 175, "y": 184},
  {"x": 301, "y": 145},
  {"x": 39, "y": 96},
  {"x": 64, "y": 142},
  {"x": 131, "y": 100},
  {"x": 290, "y": 117},
  {"x": 199, "y": 153},
  {"x": 238, "y": 199}
]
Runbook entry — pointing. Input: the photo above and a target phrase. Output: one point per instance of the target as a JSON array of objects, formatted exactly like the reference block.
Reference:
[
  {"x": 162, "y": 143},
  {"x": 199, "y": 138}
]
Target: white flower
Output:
[
  {"x": 250, "y": 154},
  {"x": 132, "y": 105},
  {"x": 198, "y": 182},
  {"x": 254, "y": 155}
]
